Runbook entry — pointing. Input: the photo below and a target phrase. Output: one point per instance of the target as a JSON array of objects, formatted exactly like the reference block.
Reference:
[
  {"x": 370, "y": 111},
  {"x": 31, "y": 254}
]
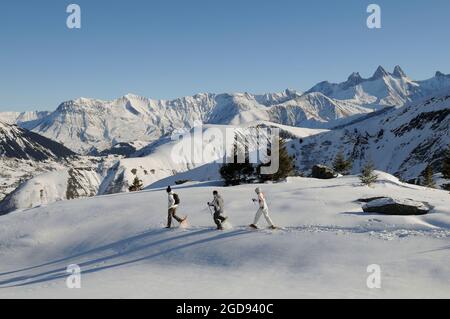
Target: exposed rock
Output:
[
  {"x": 391, "y": 206},
  {"x": 323, "y": 172}
]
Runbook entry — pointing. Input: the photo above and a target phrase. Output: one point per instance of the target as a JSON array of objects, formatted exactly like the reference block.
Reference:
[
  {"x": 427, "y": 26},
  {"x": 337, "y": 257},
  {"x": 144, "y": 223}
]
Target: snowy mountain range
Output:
[
  {"x": 400, "y": 124},
  {"x": 90, "y": 126},
  {"x": 383, "y": 88}
]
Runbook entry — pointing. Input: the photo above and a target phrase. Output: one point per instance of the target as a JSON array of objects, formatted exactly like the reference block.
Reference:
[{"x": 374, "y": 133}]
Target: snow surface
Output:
[{"x": 323, "y": 251}]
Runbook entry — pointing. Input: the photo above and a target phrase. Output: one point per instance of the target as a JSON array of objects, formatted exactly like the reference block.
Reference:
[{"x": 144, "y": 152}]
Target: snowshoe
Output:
[{"x": 184, "y": 223}]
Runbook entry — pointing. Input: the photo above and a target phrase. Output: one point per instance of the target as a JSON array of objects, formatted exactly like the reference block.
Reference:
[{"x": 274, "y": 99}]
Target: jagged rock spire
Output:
[
  {"x": 380, "y": 73},
  {"x": 398, "y": 72}
]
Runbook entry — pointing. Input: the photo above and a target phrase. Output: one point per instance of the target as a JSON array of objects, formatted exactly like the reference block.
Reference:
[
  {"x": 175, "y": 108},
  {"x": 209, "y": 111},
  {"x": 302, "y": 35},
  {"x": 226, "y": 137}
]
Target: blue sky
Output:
[{"x": 169, "y": 48}]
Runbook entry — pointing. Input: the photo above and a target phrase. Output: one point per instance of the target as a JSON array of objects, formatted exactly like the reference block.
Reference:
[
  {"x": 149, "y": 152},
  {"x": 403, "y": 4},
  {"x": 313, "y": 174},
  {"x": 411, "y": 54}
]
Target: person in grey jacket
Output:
[{"x": 218, "y": 205}]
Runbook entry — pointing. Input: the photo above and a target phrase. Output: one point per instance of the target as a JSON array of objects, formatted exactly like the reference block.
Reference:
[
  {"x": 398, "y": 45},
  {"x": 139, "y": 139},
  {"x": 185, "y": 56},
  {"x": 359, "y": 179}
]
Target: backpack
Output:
[{"x": 176, "y": 198}]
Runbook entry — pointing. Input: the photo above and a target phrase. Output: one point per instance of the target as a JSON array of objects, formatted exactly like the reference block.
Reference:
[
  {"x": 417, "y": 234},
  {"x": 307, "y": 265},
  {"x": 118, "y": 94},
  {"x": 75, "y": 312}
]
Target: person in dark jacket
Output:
[{"x": 218, "y": 205}]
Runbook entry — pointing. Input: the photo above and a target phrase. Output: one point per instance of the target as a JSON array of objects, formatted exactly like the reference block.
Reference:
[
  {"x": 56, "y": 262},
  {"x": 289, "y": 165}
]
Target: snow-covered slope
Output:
[
  {"x": 383, "y": 88},
  {"x": 52, "y": 187},
  {"x": 19, "y": 143},
  {"x": 401, "y": 141},
  {"x": 165, "y": 161},
  {"x": 195, "y": 156},
  {"x": 21, "y": 117},
  {"x": 316, "y": 110},
  {"x": 325, "y": 250},
  {"x": 52, "y": 181},
  {"x": 13, "y": 172}
]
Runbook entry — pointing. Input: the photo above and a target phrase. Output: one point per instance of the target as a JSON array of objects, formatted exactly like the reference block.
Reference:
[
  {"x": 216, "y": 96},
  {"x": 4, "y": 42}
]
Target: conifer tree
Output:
[
  {"x": 428, "y": 177},
  {"x": 368, "y": 176},
  {"x": 446, "y": 164},
  {"x": 235, "y": 173},
  {"x": 285, "y": 161},
  {"x": 136, "y": 186},
  {"x": 341, "y": 165}
]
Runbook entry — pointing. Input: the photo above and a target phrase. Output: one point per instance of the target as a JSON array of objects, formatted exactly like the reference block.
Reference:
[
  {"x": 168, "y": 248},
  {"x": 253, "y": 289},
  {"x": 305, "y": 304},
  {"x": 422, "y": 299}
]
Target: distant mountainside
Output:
[
  {"x": 19, "y": 143},
  {"x": 400, "y": 141}
]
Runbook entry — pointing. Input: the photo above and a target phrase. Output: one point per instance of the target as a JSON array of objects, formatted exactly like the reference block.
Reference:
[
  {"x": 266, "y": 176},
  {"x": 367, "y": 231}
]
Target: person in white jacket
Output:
[
  {"x": 172, "y": 208},
  {"x": 263, "y": 210}
]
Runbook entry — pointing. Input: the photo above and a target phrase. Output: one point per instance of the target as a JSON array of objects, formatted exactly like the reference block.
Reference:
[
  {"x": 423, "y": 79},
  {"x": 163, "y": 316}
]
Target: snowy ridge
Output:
[
  {"x": 22, "y": 117},
  {"x": 18, "y": 143}
]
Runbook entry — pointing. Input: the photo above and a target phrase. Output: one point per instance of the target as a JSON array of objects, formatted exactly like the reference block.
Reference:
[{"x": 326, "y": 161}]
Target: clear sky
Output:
[{"x": 169, "y": 48}]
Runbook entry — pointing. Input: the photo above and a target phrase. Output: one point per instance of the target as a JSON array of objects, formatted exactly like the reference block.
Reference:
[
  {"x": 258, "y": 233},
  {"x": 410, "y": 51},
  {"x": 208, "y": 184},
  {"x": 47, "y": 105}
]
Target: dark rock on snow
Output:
[
  {"x": 323, "y": 172},
  {"x": 391, "y": 206}
]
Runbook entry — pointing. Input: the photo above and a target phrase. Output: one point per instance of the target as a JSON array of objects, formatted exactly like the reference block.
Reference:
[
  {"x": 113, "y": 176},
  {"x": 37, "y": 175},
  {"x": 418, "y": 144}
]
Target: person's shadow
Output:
[{"x": 122, "y": 252}]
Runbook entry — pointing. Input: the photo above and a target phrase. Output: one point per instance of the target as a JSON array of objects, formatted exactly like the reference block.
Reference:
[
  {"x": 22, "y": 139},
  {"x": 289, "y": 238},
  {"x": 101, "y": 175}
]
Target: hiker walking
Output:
[
  {"x": 218, "y": 205},
  {"x": 262, "y": 210},
  {"x": 173, "y": 202}
]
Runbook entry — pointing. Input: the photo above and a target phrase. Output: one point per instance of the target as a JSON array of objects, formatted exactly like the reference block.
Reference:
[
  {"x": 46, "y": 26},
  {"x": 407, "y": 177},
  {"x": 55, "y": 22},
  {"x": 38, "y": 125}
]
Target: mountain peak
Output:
[
  {"x": 398, "y": 72},
  {"x": 290, "y": 92},
  {"x": 439, "y": 74},
  {"x": 354, "y": 78},
  {"x": 131, "y": 96},
  {"x": 380, "y": 73}
]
